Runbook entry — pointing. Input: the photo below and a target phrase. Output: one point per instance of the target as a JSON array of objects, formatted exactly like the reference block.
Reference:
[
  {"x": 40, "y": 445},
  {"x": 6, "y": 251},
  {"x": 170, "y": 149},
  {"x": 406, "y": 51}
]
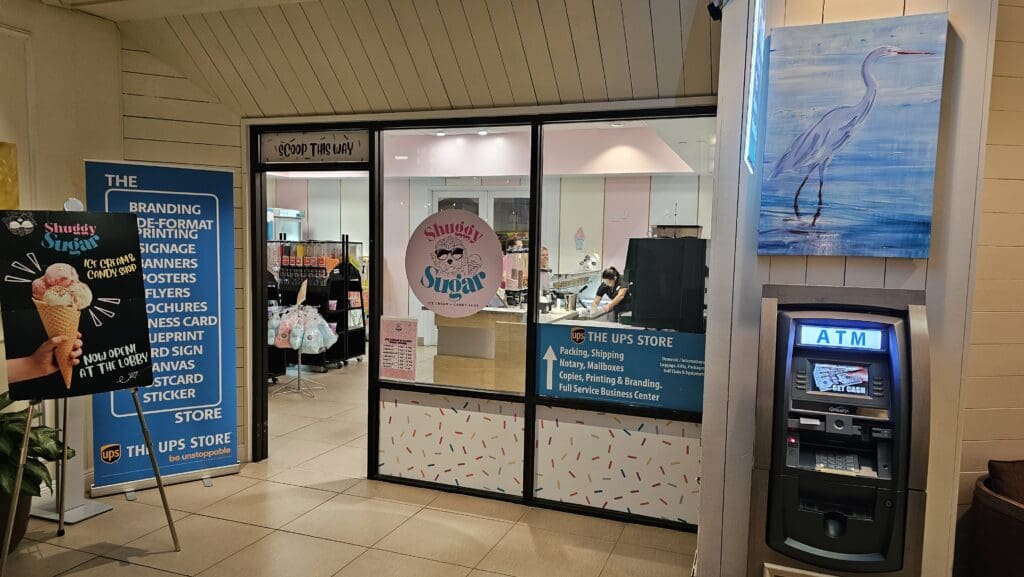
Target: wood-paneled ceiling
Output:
[{"x": 354, "y": 56}]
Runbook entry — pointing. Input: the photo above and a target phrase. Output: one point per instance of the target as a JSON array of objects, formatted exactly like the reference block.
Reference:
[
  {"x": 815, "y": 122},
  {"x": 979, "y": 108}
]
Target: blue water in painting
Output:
[{"x": 877, "y": 193}]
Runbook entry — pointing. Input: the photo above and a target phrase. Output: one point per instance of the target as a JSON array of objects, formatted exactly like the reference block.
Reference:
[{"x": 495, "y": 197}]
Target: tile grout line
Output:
[
  {"x": 69, "y": 569},
  {"x": 420, "y": 508},
  {"x": 512, "y": 526}
]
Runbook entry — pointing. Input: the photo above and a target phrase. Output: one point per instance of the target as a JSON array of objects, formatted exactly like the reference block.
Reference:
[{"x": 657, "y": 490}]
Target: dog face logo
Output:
[
  {"x": 110, "y": 454},
  {"x": 578, "y": 334},
  {"x": 451, "y": 258},
  {"x": 20, "y": 224}
]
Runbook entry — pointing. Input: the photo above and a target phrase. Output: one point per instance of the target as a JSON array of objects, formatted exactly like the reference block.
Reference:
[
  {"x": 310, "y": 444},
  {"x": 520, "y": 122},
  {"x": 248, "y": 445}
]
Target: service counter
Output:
[{"x": 488, "y": 349}]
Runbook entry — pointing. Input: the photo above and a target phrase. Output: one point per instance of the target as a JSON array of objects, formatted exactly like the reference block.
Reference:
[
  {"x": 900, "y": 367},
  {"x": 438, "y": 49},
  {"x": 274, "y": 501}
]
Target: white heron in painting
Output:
[{"x": 813, "y": 150}]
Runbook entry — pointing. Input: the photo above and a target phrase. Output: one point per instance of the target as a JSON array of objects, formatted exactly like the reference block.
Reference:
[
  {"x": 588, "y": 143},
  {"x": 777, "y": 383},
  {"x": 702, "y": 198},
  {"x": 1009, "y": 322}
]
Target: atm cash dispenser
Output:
[{"x": 842, "y": 417}]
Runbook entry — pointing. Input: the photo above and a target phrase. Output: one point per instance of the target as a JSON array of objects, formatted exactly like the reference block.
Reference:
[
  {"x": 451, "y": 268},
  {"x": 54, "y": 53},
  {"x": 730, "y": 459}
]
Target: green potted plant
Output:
[{"x": 44, "y": 445}]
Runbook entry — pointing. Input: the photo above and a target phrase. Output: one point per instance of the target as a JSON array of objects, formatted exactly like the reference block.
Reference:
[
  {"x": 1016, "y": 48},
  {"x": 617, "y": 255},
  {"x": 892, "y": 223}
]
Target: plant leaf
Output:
[
  {"x": 42, "y": 444},
  {"x": 7, "y": 480},
  {"x": 36, "y": 474}
]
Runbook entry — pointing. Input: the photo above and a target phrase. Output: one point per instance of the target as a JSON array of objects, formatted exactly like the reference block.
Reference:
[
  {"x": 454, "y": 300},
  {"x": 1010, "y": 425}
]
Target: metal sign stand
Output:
[
  {"x": 61, "y": 507},
  {"x": 75, "y": 205},
  {"x": 77, "y": 508},
  {"x": 23, "y": 456},
  {"x": 156, "y": 469}
]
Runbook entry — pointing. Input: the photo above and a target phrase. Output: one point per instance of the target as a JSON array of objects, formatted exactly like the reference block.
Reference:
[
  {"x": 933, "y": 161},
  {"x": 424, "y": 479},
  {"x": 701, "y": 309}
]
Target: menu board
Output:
[{"x": 398, "y": 349}]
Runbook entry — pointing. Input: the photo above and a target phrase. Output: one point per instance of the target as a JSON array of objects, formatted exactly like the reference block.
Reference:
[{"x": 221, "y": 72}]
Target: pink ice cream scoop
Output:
[
  {"x": 60, "y": 274},
  {"x": 39, "y": 288},
  {"x": 60, "y": 286}
]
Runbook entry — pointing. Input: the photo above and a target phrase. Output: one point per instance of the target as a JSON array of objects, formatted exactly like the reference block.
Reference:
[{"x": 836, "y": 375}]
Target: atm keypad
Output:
[
  {"x": 801, "y": 380},
  {"x": 836, "y": 461},
  {"x": 877, "y": 387}
]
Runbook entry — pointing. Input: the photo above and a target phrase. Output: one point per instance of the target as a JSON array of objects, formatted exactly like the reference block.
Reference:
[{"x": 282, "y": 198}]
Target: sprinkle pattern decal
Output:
[
  {"x": 453, "y": 440},
  {"x": 636, "y": 465}
]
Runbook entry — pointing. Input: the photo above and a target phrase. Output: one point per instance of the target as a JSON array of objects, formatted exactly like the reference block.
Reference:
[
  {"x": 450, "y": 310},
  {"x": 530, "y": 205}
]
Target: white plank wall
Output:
[
  {"x": 994, "y": 407},
  {"x": 359, "y": 56},
  {"x": 168, "y": 119}
]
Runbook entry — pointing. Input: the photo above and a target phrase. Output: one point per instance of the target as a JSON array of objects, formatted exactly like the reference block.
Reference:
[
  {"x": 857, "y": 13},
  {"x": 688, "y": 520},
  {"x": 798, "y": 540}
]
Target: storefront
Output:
[
  {"x": 496, "y": 404},
  {"x": 582, "y": 390},
  {"x": 579, "y": 383}
]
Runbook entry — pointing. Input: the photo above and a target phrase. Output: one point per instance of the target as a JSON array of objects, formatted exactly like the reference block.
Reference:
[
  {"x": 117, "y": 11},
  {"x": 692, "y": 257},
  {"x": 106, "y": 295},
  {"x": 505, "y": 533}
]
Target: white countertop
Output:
[
  {"x": 505, "y": 310},
  {"x": 557, "y": 315}
]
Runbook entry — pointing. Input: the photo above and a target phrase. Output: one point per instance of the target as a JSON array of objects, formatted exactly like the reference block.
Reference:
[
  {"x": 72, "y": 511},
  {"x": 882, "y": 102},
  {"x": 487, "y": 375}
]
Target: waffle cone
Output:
[{"x": 61, "y": 321}]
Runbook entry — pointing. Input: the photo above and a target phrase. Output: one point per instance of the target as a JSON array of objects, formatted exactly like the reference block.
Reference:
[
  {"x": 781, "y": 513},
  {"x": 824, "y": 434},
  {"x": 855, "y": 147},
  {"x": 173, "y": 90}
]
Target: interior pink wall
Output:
[
  {"x": 566, "y": 152},
  {"x": 396, "y": 236},
  {"x": 609, "y": 151},
  {"x": 627, "y": 207}
]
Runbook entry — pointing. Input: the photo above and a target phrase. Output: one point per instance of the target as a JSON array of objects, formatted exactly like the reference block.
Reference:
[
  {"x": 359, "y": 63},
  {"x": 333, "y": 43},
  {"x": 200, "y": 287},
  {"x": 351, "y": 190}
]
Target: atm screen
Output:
[
  {"x": 834, "y": 337},
  {"x": 829, "y": 378}
]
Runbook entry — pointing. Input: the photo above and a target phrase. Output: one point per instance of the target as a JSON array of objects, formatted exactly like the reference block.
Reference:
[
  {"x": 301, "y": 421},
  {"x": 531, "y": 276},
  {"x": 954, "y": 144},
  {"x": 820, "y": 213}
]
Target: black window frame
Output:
[{"x": 530, "y": 399}]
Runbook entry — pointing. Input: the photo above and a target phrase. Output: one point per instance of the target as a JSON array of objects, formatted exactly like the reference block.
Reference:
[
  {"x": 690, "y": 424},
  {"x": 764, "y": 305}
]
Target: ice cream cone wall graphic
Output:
[{"x": 60, "y": 297}]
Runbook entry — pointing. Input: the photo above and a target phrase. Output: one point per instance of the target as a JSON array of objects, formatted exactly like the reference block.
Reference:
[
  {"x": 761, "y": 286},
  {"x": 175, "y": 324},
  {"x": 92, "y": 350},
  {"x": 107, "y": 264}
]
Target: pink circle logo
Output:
[{"x": 453, "y": 262}]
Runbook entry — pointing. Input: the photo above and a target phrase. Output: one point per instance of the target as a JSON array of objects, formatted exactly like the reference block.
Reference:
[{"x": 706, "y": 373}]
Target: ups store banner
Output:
[{"x": 188, "y": 271}]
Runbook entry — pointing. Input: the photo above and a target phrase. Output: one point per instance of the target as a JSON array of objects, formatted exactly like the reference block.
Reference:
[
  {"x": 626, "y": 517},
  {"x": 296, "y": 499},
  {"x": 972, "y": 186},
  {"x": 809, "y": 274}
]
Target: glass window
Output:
[
  {"x": 626, "y": 214},
  {"x": 471, "y": 331}
]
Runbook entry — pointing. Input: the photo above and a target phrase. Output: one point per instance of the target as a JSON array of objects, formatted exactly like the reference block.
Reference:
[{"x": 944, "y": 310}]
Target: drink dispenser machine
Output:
[{"x": 842, "y": 420}]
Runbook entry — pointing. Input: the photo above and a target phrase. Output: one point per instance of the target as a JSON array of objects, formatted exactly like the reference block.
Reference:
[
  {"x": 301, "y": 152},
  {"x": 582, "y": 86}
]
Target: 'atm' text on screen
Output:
[{"x": 841, "y": 337}]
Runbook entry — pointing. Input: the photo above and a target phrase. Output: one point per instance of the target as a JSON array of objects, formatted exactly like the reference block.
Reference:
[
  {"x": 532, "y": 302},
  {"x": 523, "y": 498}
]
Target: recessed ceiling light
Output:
[
  {"x": 441, "y": 133},
  {"x": 617, "y": 125},
  {"x": 482, "y": 132},
  {"x": 401, "y": 157}
]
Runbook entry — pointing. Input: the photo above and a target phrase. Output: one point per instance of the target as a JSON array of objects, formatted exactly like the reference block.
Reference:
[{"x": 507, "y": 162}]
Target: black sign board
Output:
[{"x": 73, "y": 304}]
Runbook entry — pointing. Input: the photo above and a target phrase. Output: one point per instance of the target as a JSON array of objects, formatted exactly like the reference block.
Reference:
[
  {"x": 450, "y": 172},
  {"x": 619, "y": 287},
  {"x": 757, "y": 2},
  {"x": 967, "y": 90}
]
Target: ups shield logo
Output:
[
  {"x": 110, "y": 454},
  {"x": 578, "y": 334}
]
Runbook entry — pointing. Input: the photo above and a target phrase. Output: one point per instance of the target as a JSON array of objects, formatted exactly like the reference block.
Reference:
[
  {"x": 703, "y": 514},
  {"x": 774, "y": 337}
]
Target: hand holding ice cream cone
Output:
[
  {"x": 44, "y": 360},
  {"x": 46, "y": 355},
  {"x": 60, "y": 297}
]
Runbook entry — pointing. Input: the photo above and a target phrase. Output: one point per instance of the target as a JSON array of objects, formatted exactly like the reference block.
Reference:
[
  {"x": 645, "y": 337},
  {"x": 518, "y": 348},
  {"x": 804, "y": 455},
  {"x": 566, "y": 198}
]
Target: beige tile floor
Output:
[{"x": 307, "y": 512}]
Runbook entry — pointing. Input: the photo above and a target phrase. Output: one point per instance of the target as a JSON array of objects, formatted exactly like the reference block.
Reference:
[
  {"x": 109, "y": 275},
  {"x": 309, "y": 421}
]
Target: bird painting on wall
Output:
[
  {"x": 811, "y": 152},
  {"x": 850, "y": 109}
]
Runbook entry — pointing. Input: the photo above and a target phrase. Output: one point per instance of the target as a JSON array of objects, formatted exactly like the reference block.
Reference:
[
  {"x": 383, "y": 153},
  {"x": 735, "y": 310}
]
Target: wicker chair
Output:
[{"x": 996, "y": 541}]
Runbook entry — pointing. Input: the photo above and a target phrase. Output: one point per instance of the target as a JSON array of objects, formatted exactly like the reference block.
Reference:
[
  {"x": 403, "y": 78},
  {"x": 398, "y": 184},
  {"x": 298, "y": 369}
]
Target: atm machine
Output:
[{"x": 841, "y": 449}]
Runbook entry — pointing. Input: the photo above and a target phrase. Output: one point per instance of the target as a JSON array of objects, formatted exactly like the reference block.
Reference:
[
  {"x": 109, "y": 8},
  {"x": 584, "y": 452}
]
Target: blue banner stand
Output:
[{"x": 198, "y": 202}]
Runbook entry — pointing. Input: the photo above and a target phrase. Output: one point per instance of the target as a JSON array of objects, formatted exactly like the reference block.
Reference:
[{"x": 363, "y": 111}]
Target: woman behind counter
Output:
[{"x": 611, "y": 285}]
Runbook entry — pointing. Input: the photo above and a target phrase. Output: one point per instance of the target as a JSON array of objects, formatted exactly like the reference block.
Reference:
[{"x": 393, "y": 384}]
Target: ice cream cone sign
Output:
[
  {"x": 59, "y": 298},
  {"x": 301, "y": 298}
]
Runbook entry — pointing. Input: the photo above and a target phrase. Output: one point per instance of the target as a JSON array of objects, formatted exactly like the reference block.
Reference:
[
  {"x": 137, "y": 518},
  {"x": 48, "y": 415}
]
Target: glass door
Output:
[{"x": 474, "y": 202}]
